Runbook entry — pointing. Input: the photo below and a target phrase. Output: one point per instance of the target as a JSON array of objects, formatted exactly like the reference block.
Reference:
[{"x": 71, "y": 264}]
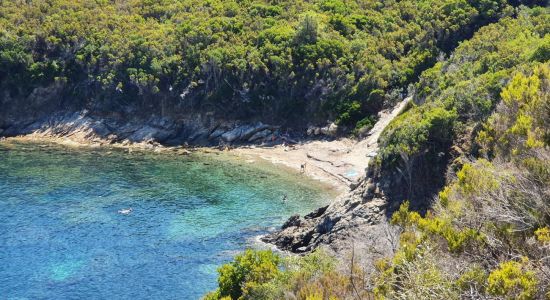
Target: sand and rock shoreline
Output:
[{"x": 354, "y": 220}]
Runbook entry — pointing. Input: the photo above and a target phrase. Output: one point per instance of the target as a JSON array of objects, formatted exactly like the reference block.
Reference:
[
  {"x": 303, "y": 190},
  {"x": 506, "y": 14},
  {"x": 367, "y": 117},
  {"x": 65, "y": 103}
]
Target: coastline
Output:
[
  {"x": 340, "y": 164},
  {"x": 276, "y": 156}
]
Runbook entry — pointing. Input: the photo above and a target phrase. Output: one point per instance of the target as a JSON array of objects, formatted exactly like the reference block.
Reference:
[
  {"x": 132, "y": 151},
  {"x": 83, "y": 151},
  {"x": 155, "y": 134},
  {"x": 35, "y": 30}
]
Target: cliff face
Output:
[
  {"x": 199, "y": 129},
  {"x": 170, "y": 120},
  {"x": 358, "y": 220}
]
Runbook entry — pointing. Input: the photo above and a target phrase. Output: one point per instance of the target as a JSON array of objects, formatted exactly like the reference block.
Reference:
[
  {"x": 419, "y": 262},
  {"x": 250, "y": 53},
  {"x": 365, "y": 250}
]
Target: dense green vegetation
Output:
[
  {"x": 264, "y": 275},
  {"x": 456, "y": 95},
  {"x": 479, "y": 72},
  {"x": 485, "y": 113},
  {"x": 488, "y": 233},
  {"x": 334, "y": 59}
]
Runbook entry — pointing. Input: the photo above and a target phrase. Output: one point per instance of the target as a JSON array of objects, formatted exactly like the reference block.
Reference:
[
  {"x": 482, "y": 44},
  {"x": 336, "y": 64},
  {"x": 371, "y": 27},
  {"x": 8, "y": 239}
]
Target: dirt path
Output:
[{"x": 341, "y": 163}]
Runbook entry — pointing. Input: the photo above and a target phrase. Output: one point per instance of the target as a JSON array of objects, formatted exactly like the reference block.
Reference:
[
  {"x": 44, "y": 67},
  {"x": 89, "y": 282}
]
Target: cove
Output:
[{"x": 62, "y": 235}]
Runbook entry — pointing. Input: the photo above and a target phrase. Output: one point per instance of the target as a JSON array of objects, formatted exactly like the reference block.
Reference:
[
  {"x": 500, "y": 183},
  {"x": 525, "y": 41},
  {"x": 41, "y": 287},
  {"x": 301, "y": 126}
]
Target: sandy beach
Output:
[{"x": 341, "y": 163}]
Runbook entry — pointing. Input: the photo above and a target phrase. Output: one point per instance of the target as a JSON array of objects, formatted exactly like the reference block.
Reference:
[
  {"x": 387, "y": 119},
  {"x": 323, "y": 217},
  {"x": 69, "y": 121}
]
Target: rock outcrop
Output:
[
  {"x": 358, "y": 220},
  {"x": 85, "y": 127}
]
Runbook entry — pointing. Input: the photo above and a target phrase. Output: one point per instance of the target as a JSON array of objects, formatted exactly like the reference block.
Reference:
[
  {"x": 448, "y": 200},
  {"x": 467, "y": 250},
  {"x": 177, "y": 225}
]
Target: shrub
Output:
[
  {"x": 248, "y": 271},
  {"x": 513, "y": 280}
]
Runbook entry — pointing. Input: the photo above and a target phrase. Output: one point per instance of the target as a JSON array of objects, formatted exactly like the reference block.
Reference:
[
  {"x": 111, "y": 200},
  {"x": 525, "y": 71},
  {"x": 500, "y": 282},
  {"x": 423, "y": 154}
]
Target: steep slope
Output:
[
  {"x": 473, "y": 156},
  {"x": 421, "y": 145},
  {"x": 289, "y": 63}
]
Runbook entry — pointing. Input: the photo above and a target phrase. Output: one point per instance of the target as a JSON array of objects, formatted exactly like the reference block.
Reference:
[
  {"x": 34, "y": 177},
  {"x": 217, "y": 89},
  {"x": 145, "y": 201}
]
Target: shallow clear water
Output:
[{"x": 62, "y": 237}]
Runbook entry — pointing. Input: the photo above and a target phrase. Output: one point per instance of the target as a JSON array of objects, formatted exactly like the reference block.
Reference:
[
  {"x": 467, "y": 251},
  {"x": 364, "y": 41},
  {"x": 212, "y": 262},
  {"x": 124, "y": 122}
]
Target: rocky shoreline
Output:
[
  {"x": 86, "y": 128},
  {"x": 355, "y": 221}
]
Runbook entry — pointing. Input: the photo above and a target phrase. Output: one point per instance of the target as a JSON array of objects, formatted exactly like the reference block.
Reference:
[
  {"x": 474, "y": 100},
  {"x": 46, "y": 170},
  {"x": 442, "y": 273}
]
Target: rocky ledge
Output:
[
  {"x": 195, "y": 130},
  {"x": 356, "y": 221}
]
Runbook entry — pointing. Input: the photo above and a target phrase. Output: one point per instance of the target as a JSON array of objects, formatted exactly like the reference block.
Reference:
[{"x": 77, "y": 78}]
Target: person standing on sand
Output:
[{"x": 303, "y": 168}]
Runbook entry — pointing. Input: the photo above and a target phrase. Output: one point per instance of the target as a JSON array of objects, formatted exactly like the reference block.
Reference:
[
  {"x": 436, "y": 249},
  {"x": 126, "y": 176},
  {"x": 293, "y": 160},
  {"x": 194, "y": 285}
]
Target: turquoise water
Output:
[{"x": 62, "y": 235}]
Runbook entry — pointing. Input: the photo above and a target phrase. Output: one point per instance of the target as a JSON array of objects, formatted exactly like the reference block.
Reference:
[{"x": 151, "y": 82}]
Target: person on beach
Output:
[{"x": 303, "y": 168}]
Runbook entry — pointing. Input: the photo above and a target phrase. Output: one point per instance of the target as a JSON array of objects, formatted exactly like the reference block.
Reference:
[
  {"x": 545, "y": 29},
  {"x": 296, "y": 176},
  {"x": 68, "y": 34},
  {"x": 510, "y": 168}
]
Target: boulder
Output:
[
  {"x": 100, "y": 129},
  {"x": 198, "y": 134},
  {"x": 243, "y": 132},
  {"x": 146, "y": 133},
  {"x": 217, "y": 133},
  {"x": 260, "y": 135},
  {"x": 293, "y": 221},
  {"x": 332, "y": 129},
  {"x": 232, "y": 135},
  {"x": 250, "y": 130}
]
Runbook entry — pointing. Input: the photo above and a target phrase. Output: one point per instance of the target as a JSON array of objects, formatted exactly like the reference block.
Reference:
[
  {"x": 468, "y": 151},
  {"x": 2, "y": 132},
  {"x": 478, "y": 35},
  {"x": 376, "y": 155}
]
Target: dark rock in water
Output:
[
  {"x": 293, "y": 221},
  {"x": 351, "y": 222},
  {"x": 316, "y": 213}
]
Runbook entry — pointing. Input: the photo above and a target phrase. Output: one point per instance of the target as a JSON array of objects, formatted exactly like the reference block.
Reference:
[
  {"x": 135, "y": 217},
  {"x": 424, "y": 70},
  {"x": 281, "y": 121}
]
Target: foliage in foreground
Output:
[
  {"x": 488, "y": 233},
  {"x": 264, "y": 275}
]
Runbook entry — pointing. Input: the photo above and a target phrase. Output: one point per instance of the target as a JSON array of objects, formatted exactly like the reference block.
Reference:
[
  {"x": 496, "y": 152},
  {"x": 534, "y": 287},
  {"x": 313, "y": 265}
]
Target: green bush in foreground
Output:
[
  {"x": 249, "y": 271},
  {"x": 261, "y": 274}
]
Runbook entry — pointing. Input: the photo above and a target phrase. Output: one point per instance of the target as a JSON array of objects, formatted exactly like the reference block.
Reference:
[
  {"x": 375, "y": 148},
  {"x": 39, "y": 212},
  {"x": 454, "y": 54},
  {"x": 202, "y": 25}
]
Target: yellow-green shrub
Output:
[{"x": 513, "y": 280}]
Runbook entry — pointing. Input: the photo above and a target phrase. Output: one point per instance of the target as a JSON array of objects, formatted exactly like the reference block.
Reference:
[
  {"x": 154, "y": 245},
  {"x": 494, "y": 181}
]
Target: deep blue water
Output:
[{"x": 62, "y": 236}]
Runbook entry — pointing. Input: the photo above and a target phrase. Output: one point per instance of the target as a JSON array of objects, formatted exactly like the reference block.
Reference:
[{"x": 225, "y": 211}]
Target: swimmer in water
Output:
[{"x": 125, "y": 211}]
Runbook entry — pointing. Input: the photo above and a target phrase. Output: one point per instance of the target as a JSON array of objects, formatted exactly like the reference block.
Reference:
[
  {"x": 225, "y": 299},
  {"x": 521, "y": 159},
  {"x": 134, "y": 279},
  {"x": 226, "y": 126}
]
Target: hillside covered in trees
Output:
[
  {"x": 474, "y": 154},
  {"x": 276, "y": 61},
  {"x": 469, "y": 157}
]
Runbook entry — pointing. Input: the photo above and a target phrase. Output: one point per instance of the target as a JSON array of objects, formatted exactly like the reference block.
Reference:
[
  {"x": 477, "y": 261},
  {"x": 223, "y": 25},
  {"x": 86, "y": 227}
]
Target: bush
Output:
[
  {"x": 247, "y": 272},
  {"x": 513, "y": 280}
]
